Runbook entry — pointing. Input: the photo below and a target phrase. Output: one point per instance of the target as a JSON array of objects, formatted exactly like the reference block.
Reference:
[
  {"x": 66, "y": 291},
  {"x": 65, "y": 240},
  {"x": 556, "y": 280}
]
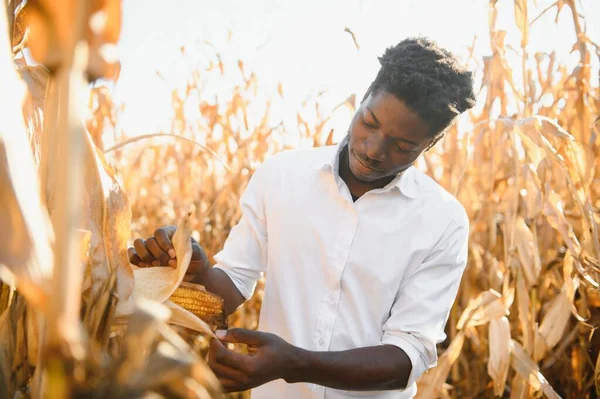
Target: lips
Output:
[{"x": 365, "y": 166}]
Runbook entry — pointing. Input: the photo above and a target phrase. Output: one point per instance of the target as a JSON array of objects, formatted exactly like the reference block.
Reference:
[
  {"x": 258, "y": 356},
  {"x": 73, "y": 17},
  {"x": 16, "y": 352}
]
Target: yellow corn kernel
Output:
[{"x": 204, "y": 304}]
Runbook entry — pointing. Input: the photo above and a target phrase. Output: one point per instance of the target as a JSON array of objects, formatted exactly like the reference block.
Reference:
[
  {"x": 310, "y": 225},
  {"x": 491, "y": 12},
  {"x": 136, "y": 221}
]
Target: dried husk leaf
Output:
[
  {"x": 159, "y": 283},
  {"x": 499, "y": 346},
  {"x": 184, "y": 318}
]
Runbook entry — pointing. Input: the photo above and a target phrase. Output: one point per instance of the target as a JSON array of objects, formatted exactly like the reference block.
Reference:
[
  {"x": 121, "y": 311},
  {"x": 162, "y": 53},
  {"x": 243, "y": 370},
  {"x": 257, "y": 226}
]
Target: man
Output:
[{"x": 363, "y": 253}]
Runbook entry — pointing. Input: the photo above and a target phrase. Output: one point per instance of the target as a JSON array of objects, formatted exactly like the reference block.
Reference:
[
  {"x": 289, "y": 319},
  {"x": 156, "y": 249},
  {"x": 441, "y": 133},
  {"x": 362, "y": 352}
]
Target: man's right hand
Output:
[{"x": 158, "y": 250}]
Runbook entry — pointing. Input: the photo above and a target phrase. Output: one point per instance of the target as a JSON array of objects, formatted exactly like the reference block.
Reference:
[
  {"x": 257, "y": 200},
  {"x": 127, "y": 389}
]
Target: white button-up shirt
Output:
[{"x": 383, "y": 270}]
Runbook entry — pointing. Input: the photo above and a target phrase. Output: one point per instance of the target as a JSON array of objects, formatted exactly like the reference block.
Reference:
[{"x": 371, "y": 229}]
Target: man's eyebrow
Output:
[{"x": 373, "y": 115}]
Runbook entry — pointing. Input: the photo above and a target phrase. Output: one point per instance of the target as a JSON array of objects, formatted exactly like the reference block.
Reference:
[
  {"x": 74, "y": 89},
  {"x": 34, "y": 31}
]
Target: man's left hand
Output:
[{"x": 270, "y": 358}]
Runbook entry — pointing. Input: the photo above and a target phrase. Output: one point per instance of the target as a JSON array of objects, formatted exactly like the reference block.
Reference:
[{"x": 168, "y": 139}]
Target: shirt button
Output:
[{"x": 321, "y": 341}]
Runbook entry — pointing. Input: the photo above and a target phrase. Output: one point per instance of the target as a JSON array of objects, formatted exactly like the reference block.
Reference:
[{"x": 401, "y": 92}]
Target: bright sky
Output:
[{"x": 303, "y": 44}]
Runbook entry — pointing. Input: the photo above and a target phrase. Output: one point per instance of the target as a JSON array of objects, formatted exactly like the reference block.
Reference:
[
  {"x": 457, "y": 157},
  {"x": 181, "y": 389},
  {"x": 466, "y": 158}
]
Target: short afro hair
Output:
[{"x": 428, "y": 78}]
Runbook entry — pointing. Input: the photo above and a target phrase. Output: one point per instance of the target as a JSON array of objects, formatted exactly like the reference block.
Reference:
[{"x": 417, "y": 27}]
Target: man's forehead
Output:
[{"x": 388, "y": 110}]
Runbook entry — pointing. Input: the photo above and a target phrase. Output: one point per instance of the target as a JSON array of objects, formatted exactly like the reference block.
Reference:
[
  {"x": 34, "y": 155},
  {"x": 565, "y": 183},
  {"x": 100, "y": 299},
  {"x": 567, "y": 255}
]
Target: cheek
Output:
[{"x": 357, "y": 135}]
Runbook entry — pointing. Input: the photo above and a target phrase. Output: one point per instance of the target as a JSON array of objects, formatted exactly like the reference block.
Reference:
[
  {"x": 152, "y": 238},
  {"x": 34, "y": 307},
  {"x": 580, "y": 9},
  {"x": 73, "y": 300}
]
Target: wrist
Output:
[{"x": 298, "y": 361}]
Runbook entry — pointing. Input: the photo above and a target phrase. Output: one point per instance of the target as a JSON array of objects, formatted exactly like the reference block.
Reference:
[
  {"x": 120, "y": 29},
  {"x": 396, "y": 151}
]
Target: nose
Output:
[{"x": 376, "y": 148}]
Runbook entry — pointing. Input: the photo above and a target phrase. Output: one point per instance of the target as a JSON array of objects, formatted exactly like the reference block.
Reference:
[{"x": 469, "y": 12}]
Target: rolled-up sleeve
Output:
[
  {"x": 425, "y": 297},
  {"x": 244, "y": 254}
]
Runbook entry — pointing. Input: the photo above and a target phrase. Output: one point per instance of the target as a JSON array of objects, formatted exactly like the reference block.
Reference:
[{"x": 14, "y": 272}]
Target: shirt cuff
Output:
[
  {"x": 403, "y": 342},
  {"x": 245, "y": 285}
]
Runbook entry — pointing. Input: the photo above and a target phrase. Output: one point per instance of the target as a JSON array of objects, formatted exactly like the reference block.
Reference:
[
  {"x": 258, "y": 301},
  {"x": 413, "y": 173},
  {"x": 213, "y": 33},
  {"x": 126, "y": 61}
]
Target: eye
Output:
[
  {"x": 403, "y": 150},
  {"x": 369, "y": 125}
]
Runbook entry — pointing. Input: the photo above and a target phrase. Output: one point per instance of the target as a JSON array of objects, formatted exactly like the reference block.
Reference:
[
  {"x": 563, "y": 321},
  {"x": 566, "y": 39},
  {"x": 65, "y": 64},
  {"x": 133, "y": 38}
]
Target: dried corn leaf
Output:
[
  {"x": 554, "y": 212},
  {"x": 519, "y": 388},
  {"x": 430, "y": 383},
  {"x": 597, "y": 375},
  {"x": 555, "y": 321},
  {"x": 528, "y": 252},
  {"x": 521, "y": 19},
  {"x": 523, "y": 311},
  {"x": 6, "y": 295},
  {"x": 499, "y": 346},
  {"x": 571, "y": 282},
  {"x": 26, "y": 236},
  {"x": 107, "y": 215},
  {"x": 534, "y": 126},
  {"x": 527, "y": 369},
  {"x": 487, "y": 306},
  {"x": 33, "y": 323},
  {"x": 9, "y": 322},
  {"x": 539, "y": 345},
  {"x": 36, "y": 77}
]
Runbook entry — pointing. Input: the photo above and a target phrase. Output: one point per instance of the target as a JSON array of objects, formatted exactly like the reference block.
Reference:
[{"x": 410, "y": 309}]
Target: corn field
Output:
[{"x": 526, "y": 167}]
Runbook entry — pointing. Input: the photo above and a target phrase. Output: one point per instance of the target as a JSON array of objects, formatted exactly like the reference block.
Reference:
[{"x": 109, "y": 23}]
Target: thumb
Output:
[{"x": 241, "y": 335}]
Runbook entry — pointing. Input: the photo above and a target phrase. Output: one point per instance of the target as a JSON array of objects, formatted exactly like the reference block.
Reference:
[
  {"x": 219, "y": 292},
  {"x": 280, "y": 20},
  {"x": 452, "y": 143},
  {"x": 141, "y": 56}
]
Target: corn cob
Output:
[{"x": 204, "y": 304}]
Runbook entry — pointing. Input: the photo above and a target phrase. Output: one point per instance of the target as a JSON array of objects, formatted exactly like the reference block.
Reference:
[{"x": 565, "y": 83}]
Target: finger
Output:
[
  {"x": 133, "y": 256},
  {"x": 157, "y": 252},
  {"x": 218, "y": 354},
  {"x": 163, "y": 240},
  {"x": 142, "y": 251},
  {"x": 230, "y": 386},
  {"x": 222, "y": 371},
  {"x": 241, "y": 335}
]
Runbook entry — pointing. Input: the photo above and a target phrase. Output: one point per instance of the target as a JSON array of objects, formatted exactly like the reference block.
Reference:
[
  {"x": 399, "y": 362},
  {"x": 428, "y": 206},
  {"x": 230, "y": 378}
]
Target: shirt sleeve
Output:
[
  {"x": 424, "y": 299},
  {"x": 244, "y": 254}
]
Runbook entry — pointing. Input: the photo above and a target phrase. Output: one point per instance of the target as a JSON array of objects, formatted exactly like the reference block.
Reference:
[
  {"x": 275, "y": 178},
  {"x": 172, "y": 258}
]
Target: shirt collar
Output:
[{"x": 405, "y": 181}]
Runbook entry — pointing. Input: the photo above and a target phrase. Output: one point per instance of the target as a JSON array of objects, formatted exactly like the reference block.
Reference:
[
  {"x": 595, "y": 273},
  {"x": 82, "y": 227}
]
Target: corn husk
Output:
[{"x": 159, "y": 283}]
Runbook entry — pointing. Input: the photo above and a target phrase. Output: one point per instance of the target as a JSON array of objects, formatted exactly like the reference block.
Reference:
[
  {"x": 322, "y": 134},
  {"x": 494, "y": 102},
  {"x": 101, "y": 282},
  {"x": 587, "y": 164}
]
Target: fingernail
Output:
[
  {"x": 172, "y": 253},
  {"x": 221, "y": 333},
  {"x": 172, "y": 263},
  {"x": 143, "y": 264},
  {"x": 155, "y": 263}
]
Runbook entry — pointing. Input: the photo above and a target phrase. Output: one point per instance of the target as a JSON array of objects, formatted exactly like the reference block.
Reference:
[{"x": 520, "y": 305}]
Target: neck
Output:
[{"x": 358, "y": 187}]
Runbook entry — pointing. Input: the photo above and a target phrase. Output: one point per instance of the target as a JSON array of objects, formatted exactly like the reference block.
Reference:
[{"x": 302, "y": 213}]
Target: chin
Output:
[
  {"x": 362, "y": 173},
  {"x": 364, "y": 178}
]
